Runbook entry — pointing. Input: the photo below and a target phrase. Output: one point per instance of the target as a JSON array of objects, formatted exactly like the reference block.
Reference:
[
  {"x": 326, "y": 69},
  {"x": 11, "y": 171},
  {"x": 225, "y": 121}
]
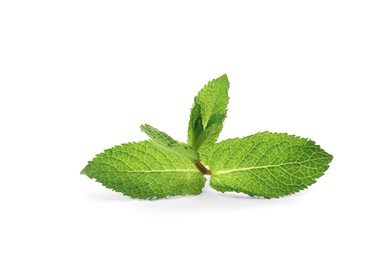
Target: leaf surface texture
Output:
[
  {"x": 266, "y": 164},
  {"x": 145, "y": 170}
]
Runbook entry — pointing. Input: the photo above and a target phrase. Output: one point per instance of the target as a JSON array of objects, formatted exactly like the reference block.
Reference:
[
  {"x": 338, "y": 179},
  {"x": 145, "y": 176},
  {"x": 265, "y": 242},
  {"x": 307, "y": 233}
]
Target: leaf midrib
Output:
[
  {"x": 153, "y": 171},
  {"x": 263, "y": 166}
]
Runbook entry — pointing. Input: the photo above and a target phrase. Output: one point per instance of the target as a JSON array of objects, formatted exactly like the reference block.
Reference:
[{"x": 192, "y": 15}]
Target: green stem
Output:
[{"x": 201, "y": 168}]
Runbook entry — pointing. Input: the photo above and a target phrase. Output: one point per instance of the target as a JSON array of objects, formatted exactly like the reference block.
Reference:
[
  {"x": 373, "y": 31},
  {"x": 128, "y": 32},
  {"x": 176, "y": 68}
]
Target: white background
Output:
[{"x": 77, "y": 77}]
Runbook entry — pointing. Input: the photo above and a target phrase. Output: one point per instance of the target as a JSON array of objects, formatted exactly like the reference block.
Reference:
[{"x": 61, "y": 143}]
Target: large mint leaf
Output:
[
  {"x": 169, "y": 143},
  {"x": 208, "y": 114},
  {"x": 145, "y": 170},
  {"x": 266, "y": 164}
]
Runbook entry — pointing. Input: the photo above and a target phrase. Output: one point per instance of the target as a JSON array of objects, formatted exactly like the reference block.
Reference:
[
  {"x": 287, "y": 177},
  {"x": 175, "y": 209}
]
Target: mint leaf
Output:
[
  {"x": 170, "y": 144},
  {"x": 207, "y": 115},
  {"x": 145, "y": 170},
  {"x": 266, "y": 164}
]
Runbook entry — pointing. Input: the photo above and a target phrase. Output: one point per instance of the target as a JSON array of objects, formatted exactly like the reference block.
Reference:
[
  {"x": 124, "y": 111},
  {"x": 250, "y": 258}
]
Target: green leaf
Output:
[
  {"x": 208, "y": 114},
  {"x": 266, "y": 164},
  {"x": 145, "y": 170},
  {"x": 167, "y": 142}
]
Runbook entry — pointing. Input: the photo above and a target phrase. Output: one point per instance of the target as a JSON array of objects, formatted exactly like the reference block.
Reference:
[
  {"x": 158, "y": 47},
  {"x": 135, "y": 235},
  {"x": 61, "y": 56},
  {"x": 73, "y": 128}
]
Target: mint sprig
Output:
[{"x": 265, "y": 164}]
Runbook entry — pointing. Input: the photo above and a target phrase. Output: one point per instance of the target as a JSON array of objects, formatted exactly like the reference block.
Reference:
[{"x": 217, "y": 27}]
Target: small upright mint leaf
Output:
[
  {"x": 213, "y": 99},
  {"x": 266, "y": 164},
  {"x": 169, "y": 143},
  {"x": 208, "y": 114},
  {"x": 145, "y": 170}
]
